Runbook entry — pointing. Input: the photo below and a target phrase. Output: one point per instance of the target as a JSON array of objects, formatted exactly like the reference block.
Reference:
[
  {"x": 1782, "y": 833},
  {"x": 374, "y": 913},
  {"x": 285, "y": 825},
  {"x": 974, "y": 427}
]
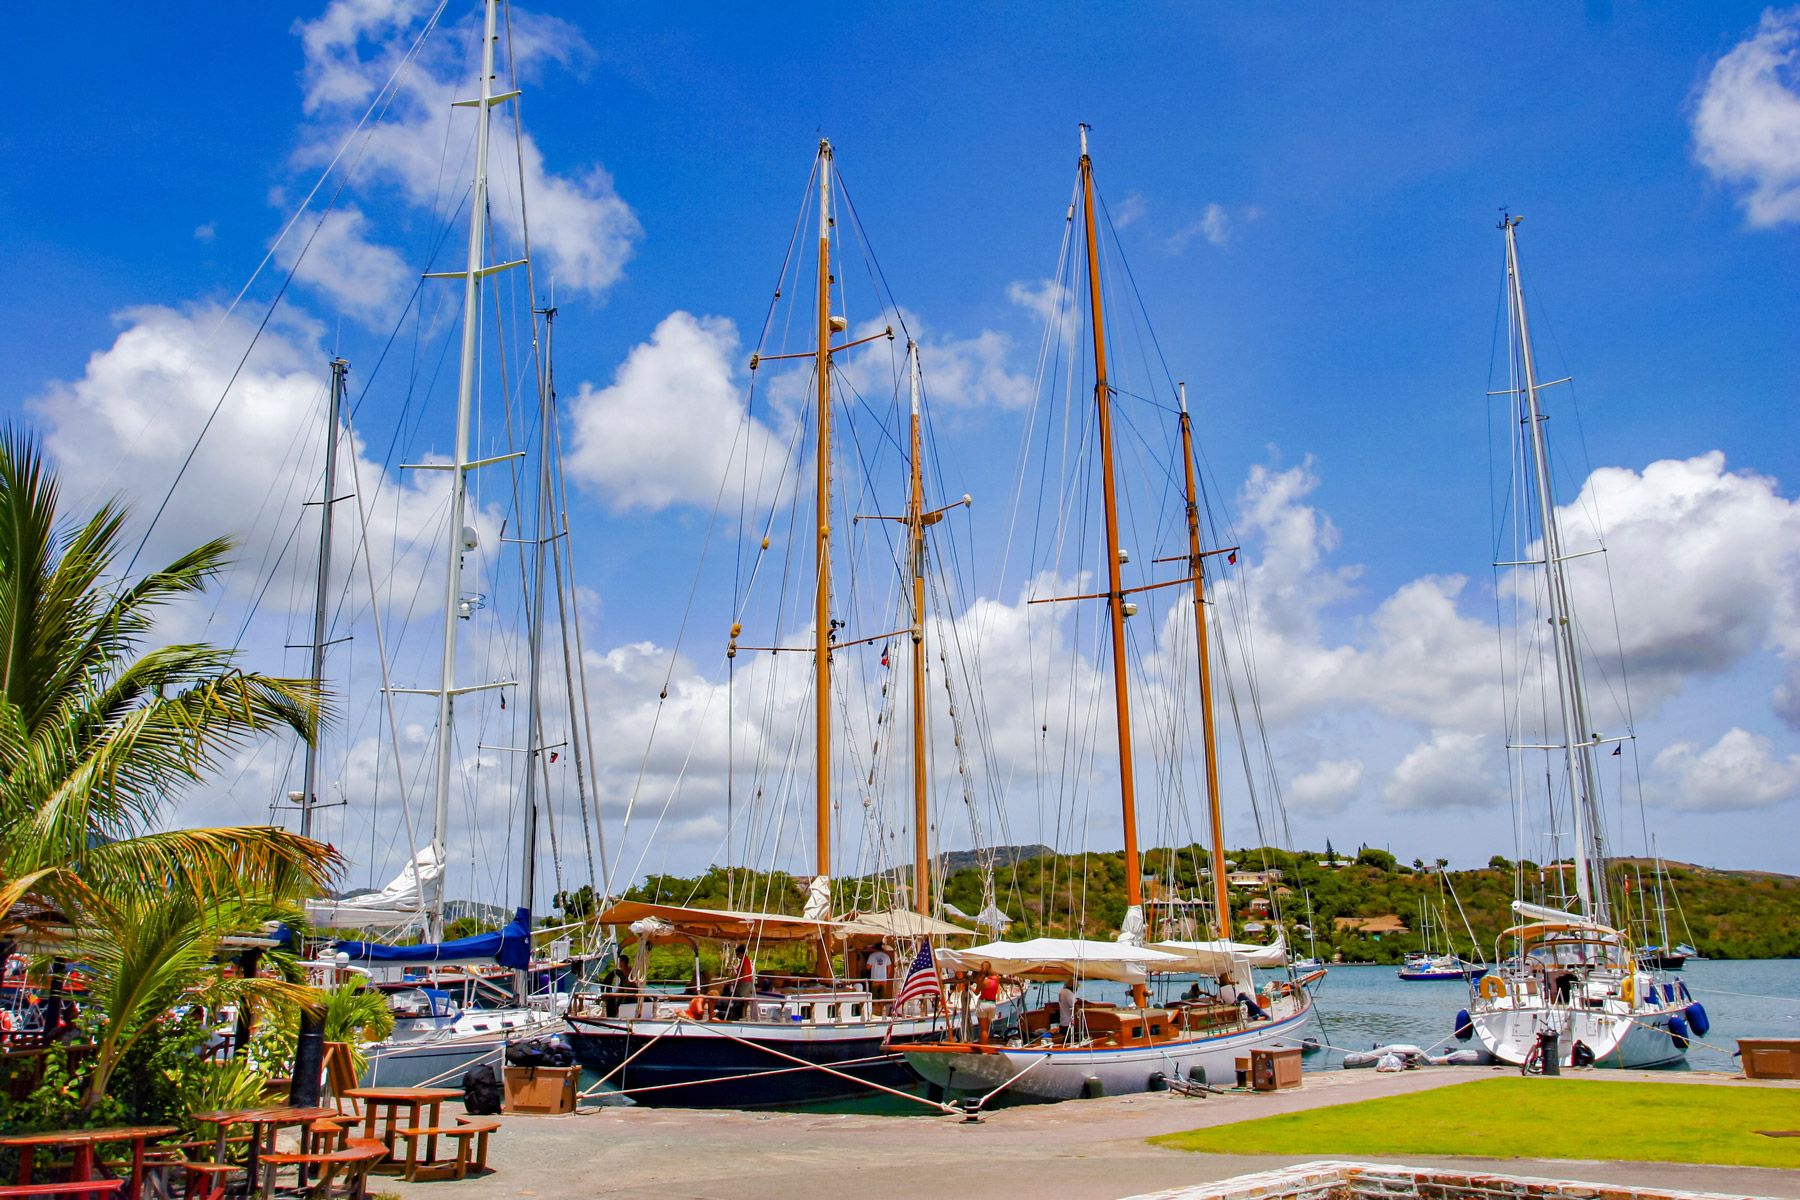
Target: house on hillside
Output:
[
  {"x": 1373, "y": 927},
  {"x": 1254, "y": 879}
]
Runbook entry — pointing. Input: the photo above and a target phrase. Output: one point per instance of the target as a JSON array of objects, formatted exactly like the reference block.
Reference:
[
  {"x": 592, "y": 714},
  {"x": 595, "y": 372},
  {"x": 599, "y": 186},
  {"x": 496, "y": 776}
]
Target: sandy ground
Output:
[{"x": 1087, "y": 1148}]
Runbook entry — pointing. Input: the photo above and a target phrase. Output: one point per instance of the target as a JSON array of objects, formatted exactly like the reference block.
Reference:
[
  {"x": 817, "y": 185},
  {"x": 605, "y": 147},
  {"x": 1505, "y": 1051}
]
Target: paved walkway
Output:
[{"x": 1075, "y": 1150}]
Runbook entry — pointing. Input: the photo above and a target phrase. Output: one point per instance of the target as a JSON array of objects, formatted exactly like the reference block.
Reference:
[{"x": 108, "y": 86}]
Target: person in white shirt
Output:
[
  {"x": 880, "y": 964},
  {"x": 1066, "y": 1000},
  {"x": 1228, "y": 991}
]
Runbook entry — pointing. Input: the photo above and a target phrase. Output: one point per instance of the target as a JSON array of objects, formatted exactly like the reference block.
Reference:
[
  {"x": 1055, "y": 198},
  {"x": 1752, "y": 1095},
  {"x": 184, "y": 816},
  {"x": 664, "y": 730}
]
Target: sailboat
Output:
[
  {"x": 753, "y": 1039},
  {"x": 450, "y": 1010},
  {"x": 1429, "y": 962},
  {"x": 1131, "y": 1047},
  {"x": 1572, "y": 989}
]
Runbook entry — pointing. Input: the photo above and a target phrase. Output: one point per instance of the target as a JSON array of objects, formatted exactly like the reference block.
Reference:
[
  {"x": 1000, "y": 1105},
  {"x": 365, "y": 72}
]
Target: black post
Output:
[
  {"x": 240, "y": 1036},
  {"x": 53, "y": 999},
  {"x": 309, "y": 1059}
]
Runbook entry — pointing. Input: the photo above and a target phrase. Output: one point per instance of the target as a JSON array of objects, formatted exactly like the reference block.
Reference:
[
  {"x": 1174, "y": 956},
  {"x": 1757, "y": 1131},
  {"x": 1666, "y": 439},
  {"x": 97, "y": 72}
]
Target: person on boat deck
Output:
[
  {"x": 1228, "y": 991},
  {"x": 987, "y": 999},
  {"x": 1066, "y": 1000},
  {"x": 616, "y": 981},
  {"x": 1192, "y": 995},
  {"x": 880, "y": 964}
]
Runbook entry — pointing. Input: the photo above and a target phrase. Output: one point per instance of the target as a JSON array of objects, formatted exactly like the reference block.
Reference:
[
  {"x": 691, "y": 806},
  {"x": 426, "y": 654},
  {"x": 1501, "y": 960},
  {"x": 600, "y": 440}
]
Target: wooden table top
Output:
[
  {"x": 77, "y": 1137},
  {"x": 283, "y": 1115},
  {"x": 403, "y": 1095}
]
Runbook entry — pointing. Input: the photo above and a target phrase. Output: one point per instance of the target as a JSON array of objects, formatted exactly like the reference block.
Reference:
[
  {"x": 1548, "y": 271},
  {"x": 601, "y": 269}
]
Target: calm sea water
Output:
[{"x": 1360, "y": 1007}]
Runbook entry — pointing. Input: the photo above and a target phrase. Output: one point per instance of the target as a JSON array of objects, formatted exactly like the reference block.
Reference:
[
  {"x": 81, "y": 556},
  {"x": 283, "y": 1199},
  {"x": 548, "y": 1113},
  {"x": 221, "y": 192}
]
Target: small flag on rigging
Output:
[
  {"x": 1232, "y": 557},
  {"x": 1618, "y": 750},
  {"x": 502, "y": 701},
  {"x": 921, "y": 979},
  {"x": 884, "y": 656},
  {"x": 553, "y": 756}
]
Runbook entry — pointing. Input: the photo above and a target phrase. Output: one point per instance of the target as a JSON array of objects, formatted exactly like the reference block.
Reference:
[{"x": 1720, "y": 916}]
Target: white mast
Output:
[
  {"x": 1578, "y": 735},
  {"x": 462, "y": 537}
]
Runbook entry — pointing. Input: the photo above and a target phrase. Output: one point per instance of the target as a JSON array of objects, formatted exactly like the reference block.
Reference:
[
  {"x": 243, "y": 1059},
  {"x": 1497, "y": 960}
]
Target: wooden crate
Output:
[
  {"x": 1770, "y": 1058},
  {"x": 1272, "y": 1070},
  {"x": 541, "y": 1090}
]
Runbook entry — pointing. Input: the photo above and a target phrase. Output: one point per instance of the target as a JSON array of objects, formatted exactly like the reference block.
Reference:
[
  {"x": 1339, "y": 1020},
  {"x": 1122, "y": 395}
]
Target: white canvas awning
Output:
[
  {"x": 1058, "y": 958},
  {"x": 418, "y": 889},
  {"x": 899, "y": 923},
  {"x": 1216, "y": 957}
]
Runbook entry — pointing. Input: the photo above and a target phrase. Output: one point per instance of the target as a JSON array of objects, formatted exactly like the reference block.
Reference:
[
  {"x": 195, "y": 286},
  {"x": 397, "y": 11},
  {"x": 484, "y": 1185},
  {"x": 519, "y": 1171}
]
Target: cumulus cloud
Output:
[
  {"x": 1326, "y": 788},
  {"x": 127, "y": 425},
  {"x": 1130, "y": 210},
  {"x": 1704, "y": 565},
  {"x": 581, "y": 230},
  {"x": 1746, "y": 120},
  {"x": 672, "y": 424},
  {"x": 1740, "y": 771},
  {"x": 364, "y": 279},
  {"x": 1449, "y": 771}
]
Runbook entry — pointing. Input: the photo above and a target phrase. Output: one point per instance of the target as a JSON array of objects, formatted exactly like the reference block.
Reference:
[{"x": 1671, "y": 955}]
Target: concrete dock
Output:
[{"x": 1079, "y": 1149}]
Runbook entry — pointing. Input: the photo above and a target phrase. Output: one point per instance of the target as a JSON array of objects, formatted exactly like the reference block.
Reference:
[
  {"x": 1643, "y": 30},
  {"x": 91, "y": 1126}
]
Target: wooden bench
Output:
[
  {"x": 431, "y": 1166},
  {"x": 482, "y": 1130},
  {"x": 93, "y": 1187},
  {"x": 352, "y": 1164},
  {"x": 209, "y": 1180}
]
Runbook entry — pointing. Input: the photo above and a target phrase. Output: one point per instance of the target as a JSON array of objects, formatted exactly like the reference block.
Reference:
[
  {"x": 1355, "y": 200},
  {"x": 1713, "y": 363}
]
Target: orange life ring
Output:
[{"x": 1492, "y": 987}]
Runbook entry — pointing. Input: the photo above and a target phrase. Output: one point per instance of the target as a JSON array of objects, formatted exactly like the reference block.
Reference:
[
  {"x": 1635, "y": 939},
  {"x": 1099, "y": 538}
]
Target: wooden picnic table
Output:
[
  {"x": 83, "y": 1141},
  {"x": 385, "y": 1103},
  {"x": 264, "y": 1124}
]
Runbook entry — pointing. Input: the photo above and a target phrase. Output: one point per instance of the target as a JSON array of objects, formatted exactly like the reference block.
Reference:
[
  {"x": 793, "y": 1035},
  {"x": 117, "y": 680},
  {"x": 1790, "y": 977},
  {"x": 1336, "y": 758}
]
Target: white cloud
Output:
[
  {"x": 671, "y": 425},
  {"x": 1739, "y": 771},
  {"x": 207, "y": 233},
  {"x": 365, "y": 280},
  {"x": 1450, "y": 771},
  {"x": 1130, "y": 210},
  {"x": 1747, "y": 120},
  {"x": 1326, "y": 788},
  {"x": 1216, "y": 224},
  {"x": 127, "y": 425},
  {"x": 581, "y": 230},
  {"x": 1704, "y": 565}
]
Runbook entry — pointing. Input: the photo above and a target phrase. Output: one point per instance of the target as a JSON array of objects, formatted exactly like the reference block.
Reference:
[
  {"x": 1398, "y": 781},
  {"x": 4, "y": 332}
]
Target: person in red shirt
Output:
[{"x": 987, "y": 999}]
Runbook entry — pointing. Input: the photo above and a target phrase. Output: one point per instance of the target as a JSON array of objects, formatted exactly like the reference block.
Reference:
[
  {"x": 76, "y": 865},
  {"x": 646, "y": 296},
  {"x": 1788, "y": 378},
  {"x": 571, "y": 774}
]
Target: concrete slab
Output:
[{"x": 1080, "y": 1149}]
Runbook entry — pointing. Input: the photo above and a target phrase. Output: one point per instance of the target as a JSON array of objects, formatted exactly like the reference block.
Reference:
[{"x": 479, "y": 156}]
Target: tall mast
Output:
[
  {"x": 1115, "y": 588},
  {"x": 534, "y": 734},
  {"x": 309, "y": 794},
  {"x": 822, "y": 626},
  {"x": 915, "y": 521},
  {"x": 1578, "y": 738},
  {"x": 1221, "y": 891},
  {"x": 461, "y": 539}
]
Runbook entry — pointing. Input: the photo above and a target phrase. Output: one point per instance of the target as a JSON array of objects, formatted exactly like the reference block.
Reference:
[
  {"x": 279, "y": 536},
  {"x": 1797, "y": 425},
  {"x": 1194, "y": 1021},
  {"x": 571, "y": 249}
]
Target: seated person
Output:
[
  {"x": 1066, "y": 1001},
  {"x": 1193, "y": 994}
]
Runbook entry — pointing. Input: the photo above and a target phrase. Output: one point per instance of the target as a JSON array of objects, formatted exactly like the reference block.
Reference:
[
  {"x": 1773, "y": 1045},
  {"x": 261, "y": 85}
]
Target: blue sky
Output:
[{"x": 1307, "y": 197}]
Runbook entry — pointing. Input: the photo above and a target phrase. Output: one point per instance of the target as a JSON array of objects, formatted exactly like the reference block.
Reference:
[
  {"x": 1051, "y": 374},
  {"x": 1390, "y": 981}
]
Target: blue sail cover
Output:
[{"x": 511, "y": 947}]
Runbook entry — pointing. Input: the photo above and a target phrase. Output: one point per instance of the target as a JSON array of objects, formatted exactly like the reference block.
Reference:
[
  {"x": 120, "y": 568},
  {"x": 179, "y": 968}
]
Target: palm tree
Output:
[{"x": 98, "y": 736}]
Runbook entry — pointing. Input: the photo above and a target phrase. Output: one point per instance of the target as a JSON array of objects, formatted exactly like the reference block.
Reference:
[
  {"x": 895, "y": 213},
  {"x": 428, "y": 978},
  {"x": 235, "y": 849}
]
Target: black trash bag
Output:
[
  {"x": 548, "y": 1051},
  {"x": 482, "y": 1094}
]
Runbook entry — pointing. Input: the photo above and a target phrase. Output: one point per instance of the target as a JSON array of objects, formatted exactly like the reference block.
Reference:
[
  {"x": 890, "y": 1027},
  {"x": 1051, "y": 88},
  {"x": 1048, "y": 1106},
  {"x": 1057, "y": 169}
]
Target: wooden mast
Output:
[
  {"x": 1221, "y": 893},
  {"x": 1115, "y": 589},
  {"x": 822, "y": 625},
  {"x": 916, "y": 521}
]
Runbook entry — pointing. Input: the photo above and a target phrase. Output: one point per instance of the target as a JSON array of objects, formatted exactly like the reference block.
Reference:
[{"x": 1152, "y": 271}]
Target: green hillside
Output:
[{"x": 1732, "y": 914}]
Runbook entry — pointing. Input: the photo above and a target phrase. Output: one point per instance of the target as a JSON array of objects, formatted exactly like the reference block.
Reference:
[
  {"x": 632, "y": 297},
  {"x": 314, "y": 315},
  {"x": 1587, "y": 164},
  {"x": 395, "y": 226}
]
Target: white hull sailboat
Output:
[{"x": 1570, "y": 988}]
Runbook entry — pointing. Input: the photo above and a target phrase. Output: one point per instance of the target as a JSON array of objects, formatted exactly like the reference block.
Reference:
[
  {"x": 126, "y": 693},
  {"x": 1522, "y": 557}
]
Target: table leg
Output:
[
  {"x": 84, "y": 1162},
  {"x": 26, "y": 1154},
  {"x": 268, "y": 1176},
  {"x": 137, "y": 1169}
]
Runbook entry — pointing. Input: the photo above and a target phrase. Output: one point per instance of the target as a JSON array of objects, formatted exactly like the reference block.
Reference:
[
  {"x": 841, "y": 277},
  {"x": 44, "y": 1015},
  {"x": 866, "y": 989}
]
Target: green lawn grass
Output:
[{"x": 1533, "y": 1118}]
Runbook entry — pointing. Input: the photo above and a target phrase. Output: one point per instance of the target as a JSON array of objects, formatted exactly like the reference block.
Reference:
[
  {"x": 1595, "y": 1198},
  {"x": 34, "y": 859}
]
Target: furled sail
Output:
[
  {"x": 510, "y": 947},
  {"x": 418, "y": 889}
]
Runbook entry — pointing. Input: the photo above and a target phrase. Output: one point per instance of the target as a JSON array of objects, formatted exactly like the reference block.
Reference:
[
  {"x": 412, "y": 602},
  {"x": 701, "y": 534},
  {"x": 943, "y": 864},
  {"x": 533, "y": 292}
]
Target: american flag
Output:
[{"x": 921, "y": 979}]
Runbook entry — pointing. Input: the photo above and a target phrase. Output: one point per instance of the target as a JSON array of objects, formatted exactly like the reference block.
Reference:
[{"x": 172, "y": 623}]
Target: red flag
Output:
[
  {"x": 1232, "y": 557},
  {"x": 502, "y": 701},
  {"x": 553, "y": 756},
  {"x": 884, "y": 657}
]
